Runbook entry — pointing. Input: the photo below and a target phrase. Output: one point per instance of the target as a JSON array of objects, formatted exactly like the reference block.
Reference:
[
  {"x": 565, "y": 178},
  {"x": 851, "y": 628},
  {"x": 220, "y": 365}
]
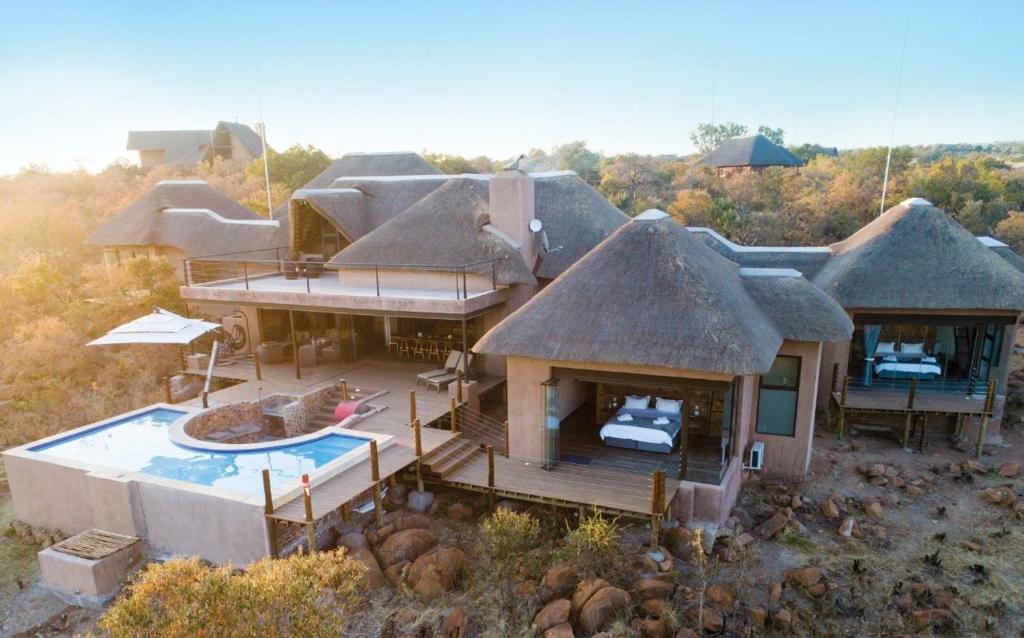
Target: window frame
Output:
[{"x": 795, "y": 389}]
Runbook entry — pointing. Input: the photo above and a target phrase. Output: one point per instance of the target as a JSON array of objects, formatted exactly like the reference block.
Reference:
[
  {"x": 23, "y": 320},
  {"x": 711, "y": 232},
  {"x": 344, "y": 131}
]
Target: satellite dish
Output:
[{"x": 536, "y": 225}]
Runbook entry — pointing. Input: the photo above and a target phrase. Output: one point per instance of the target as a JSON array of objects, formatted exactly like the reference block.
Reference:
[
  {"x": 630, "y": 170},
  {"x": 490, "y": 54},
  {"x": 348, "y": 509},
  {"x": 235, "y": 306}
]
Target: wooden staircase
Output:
[
  {"x": 451, "y": 456},
  {"x": 323, "y": 415}
]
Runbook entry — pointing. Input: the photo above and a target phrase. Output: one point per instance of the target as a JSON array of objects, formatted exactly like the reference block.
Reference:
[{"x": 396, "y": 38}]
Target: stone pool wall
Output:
[
  {"x": 299, "y": 414},
  {"x": 224, "y": 417}
]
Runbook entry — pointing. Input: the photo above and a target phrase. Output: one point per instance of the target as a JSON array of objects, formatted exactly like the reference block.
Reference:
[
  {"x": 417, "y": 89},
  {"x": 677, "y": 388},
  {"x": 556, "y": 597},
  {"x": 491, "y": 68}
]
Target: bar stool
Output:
[
  {"x": 394, "y": 344},
  {"x": 404, "y": 350},
  {"x": 419, "y": 351},
  {"x": 435, "y": 350}
]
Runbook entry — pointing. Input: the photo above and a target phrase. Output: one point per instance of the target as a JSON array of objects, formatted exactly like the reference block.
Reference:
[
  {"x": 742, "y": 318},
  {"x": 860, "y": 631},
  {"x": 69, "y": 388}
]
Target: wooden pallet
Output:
[{"x": 95, "y": 544}]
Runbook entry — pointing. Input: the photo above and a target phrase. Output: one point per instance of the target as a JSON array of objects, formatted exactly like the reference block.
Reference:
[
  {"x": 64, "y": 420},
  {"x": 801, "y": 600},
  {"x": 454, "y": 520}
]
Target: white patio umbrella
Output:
[{"x": 162, "y": 327}]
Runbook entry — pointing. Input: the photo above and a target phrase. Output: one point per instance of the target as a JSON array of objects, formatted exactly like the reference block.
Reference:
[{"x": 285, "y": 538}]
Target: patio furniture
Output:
[
  {"x": 434, "y": 350},
  {"x": 420, "y": 349},
  {"x": 394, "y": 344},
  {"x": 307, "y": 354},
  {"x": 454, "y": 357},
  {"x": 405, "y": 347},
  {"x": 442, "y": 382},
  {"x": 271, "y": 352}
]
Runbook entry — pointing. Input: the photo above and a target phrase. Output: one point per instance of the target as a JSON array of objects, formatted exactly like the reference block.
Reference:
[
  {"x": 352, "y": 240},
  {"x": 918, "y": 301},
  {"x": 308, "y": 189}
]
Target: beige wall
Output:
[
  {"x": 415, "y": 279},
  {"x": 791, "y": 455},
  {"x": 151, "y": 158}
]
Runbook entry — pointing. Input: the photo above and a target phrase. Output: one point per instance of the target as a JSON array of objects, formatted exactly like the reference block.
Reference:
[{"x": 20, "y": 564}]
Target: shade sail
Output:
[{"x": 159, "y": 327}]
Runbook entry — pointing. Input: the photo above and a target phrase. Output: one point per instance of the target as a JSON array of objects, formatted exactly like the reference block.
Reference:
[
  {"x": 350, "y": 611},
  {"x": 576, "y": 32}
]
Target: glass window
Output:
[{"x": 777, "y": 399}]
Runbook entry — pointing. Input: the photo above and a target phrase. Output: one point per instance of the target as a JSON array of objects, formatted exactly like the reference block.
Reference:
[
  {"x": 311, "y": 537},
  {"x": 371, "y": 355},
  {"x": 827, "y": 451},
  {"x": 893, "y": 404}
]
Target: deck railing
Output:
[{"x": 247, "y": 266}]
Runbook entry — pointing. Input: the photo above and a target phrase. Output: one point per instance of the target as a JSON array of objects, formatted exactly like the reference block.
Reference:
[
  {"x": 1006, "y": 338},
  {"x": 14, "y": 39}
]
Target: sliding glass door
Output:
[{"x": 552, "y": 424}]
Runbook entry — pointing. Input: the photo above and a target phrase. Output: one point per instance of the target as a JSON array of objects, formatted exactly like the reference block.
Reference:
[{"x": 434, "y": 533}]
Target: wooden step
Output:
[
  {"x": 445, "y": 447},
  {"x": 459, "y": 445},
  {"x": 452, "y": 469},
  {"x": 455, "y": 460}
]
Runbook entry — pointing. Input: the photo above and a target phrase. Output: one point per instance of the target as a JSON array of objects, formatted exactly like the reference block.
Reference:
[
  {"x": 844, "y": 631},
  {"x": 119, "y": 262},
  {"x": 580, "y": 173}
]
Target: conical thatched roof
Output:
[
  {"x": 247, "y": 137},
  {"x": 576, "y": 218},
  {"x": 192, "y": 216},
  {"x": 798, "y": 308},
  {"x": 367, "y": 165},
  {"x": 753, "y": 150},
  {"x": 650, "y": 294},
  {"x": 447, "y": 227},
  {"x": 915, "y": 256}
]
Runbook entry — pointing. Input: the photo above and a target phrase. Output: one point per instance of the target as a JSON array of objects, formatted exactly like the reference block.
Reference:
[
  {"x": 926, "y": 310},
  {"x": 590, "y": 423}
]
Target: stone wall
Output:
[
  {"x": 224, "y": 417},
  {"x": 298, "y": 415}
]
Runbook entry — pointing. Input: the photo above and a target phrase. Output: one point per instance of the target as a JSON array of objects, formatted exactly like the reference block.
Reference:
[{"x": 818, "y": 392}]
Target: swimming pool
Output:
[{"x": 141, "y": 443}]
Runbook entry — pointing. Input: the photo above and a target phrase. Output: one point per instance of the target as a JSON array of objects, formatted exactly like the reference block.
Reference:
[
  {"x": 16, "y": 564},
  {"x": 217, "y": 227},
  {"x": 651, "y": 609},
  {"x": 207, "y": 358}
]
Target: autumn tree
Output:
[
  {"x": 774, "y": 135},
  {"x": 708, "y": 137}
]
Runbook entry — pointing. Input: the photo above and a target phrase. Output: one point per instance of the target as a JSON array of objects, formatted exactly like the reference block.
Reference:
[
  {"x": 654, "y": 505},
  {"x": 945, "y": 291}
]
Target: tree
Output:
[
  {"x": 576, "y": 157},
  {"x": 774, "y": 135},
  {"x": 708, "y": 137},
  {"x": 634, "y": 182},
  {"x": 1011, "y": 230},
  {"x": 292, "y": 168},
  {"x": 451, "y": 164}
]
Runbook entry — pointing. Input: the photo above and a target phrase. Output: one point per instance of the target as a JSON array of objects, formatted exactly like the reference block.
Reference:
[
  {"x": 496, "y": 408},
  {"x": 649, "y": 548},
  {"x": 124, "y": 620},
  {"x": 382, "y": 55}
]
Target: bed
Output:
[
  {"x": 893, "y": 368},
  {"x": 637, "y": 428}
]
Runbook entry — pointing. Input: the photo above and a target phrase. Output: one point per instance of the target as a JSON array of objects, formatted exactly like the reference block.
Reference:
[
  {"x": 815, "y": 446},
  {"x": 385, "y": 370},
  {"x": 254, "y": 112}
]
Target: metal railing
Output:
[{"x": 240, "y": 267}]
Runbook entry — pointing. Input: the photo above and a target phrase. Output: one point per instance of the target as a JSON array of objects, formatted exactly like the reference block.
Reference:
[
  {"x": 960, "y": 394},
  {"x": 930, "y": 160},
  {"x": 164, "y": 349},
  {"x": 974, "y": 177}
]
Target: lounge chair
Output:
[
  {"x": 443, "y": 381},
  {"x": 454, "y": 357}
]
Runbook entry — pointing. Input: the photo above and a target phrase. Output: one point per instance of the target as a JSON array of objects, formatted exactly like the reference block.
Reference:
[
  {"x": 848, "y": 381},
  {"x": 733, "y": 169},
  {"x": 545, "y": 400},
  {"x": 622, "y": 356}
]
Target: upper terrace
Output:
[{"x": 266, "y": 279}]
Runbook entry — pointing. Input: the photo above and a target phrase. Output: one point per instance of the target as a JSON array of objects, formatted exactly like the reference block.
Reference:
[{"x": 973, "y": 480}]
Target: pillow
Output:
[
  {"x": 913, "y": 348},
  {"x": 635, "y": 402},
  {"x": 885, "y": 347},
  {"x": 668, "y": 405}
]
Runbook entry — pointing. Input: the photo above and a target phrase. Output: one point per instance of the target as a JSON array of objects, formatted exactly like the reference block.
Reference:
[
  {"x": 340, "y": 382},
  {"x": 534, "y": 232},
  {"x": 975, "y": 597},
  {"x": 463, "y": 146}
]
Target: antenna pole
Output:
[
  {"x": 263, "y": 138},
  {"x": 892, "y": 130}
]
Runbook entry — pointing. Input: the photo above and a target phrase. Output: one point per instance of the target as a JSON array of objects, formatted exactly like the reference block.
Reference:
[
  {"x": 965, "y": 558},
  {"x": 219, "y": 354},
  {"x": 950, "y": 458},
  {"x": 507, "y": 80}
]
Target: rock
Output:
[
  {"x": 897, "y": 481},
  {"x": 744, "y": 539},
  {"x": 601, "y": 608},
  {"x": 435, "y": 573},
  {"x": 874, "y": 508},
  {"x": 554, "y": 613},
  {"x": 587, "y": 588},
  {"x": 525, "y": 589},
  {"x": 772, "y": 526},
  {"x": 817, "y": 590},
  {"x": 563, "y": 630},
  {"x": 685, "y": 632},
  {"x": 713, "y": 620},
  {"x": 806, "y": 576},
  {"x": 654, "y": 608},
  {"x": 649, "y": 588},
  {"x": 955, "y": 470},
  {"x": 396, "y": 495},
  {"x": 872, "y": 470},
  {"x": 409, "y": 614},
  {"x": 999, "y": 495},
  {"x": 891, "y": 499},
  {"x": 721, "y": 596},
  {"x": 828, "y": 508},
  {"x": 971, "y": 546},
  {"x": 419, "y": 502},
  {"x": 973, "y": 466},
  {"x": 558, "y": 581},
  {"x": 679, "y": 541},
  {"x": 775, "y": 594},
  {"x": 460, "y": 512},
  {"x": 408, "y": 545},
  {"x": 783, "y": 617},
  {"x": 396, "y": 573},
  {"x": 353, "y": 541},
  {"x": 1009, "y": 470},
  {"x": 757, "y": 616},
  {"x": 408, "y": 520},
  {"x": 649, "y": 627},
  {"x": 358, "y": 548},
  {"x": 936, "y": 616},
  {"x": 913, "y": 490},
  {"x": 796, "y": 502},
  {"x": 846, "y": 527},
  {"x": 456, "y": 624}
]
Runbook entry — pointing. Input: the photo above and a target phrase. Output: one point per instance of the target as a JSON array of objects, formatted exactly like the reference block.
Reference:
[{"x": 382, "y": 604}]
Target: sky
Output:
[{"x": 500, "y": 78}]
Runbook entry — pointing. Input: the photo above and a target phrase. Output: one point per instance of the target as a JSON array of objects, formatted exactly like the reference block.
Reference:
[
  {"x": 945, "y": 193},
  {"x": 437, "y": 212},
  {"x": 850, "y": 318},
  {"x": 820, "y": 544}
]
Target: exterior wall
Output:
[
  {"x": 791, "y": 455},
  {"x": 831, "y": 354},
  {"x": 151, "y": 158}
]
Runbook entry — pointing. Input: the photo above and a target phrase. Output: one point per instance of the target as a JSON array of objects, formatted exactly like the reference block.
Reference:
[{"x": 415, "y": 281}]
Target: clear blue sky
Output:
[{"x": 498, "y": 78}]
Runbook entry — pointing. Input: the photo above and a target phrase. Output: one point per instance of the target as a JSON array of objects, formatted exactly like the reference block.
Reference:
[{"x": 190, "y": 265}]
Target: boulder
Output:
[
  {"x": 563, "y": 630},
  {"x": 783, "y": 617},
  {"x": 649, "y": 627},
  {"x": 460, "y": 512},
  {"x": 456, "y": 624},
  {"x": 914, "y": 490},
  {"x": 601, "y": 608},
  {"x": 525, "y": 589},
  {"x": 679, "y": 541},
  {"x": 874, "y": 508},
  {"x": 686, "y": 632},
  {"x": 358, "y": 548},
  {"x": 757, "y": 616},
  {"x": 772, "y": 526},
  {"x": 970, "y": 465},
  {"x": 557, "y": 582},
  {"x": 775, "y": 593},
  {"x": 721, "y": 596},
  {"x": 648, "y": 588},
  {"x": 828, "y": 508},
  {"x": 846, "y": 528},
  {"x": 587, "y": 588},
  {"x": 410, "y": 520},
  {"x": 554, "y": 613},
  {"x": 396, "y": 495},
  {"x": 1009, "y": 470},
  {"x": 419, "y": 502},
  {"x": 936, "y": 616},
  {"x": 435, "y": 573},
  {"x": 408, "y": 545},
  {"x": 713, "y": 620},
  {"x": 396, "y": 573},
  {"x": 806, "y": 576}
]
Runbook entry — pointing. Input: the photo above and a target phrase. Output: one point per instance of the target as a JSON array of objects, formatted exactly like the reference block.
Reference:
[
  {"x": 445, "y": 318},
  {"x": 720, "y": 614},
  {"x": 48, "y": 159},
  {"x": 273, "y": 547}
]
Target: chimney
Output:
[{"x": 512, "y": 210}]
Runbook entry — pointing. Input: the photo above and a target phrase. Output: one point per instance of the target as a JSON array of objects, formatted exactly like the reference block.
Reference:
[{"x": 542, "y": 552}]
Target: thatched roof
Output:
[
  {"x": 650, "y": 294},
  {"x": 798, "y": 308},
  {"x": 806, "y": 259},
  {"x": 366, "y": 165},
  {"x": 447, "y": 227},
  {"x": 180, "y": 147},
  {"x": 753, "y": 150},
  {"x": 915, "y": 256},
  {"x": 247, "y": 137},
  {"x": 1004, "y": 251},
  {"x": 576, "y": 218},
  {"x": 190, "y": 215}
]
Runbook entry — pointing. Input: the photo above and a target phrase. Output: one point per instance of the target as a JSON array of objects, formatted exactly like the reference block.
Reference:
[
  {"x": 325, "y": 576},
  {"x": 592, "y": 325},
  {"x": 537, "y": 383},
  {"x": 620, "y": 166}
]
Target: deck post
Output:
[
  {"x": 458, "y": 386},
  {"x": 657, "y": 505},
  {"x": 307, "y": 500},
  {"x": 419, "y": 454},
  {"x": 455, "y": 425},
  {"x": 375, "y": 476},
  {"x": 833, "y": 388},
  {"x": 412, "y": 406},
  {"x": 344, "y": 390},
  {"x": 490, "y": 476},
  {"x": 268, "y": 511},
  {"x": 906, "y": 429},
  {"x": 912, "y": 395},
  {"x": 295, "y": 344},
  {"x": 684, "y": 450},
  {"x": 346, "y": 511},
  {"x": 842, "y": 405},
  {"x": 507, "y": 452},
  {"x": 990, "y": 396},
  {"x": 167, "y": 390}
]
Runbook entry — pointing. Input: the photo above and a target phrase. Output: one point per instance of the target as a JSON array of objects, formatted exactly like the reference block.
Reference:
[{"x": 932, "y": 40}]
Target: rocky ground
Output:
[{"x": 876, "y": 542}]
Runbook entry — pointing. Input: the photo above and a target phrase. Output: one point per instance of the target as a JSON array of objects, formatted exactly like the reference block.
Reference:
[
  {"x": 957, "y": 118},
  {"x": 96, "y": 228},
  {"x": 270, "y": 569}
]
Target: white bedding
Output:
[
  {"x": 917, "y": 368},
  {"x": 634, "y": 433}
]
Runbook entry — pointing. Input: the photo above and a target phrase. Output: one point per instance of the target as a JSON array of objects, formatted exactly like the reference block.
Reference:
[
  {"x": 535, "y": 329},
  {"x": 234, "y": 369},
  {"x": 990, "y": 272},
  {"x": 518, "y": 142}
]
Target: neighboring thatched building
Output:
[
  {"x": 653, "y": 311},
  {"x": 227, "y": 140},
  {"x": 177, "y": 219},
  {"x": 754, "y": 152}
]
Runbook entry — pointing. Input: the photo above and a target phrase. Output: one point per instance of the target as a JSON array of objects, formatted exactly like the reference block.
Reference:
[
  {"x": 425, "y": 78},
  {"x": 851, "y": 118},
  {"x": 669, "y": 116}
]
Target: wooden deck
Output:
[{"x": 895, "y": 402}]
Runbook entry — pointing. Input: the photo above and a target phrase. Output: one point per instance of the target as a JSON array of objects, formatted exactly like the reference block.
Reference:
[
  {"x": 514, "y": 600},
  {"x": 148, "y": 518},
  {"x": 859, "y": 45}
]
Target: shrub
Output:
[
  {"x": 507, "y": 534},
  {"x": 303, "y": 595},
  {"x": 595, "y": 545}
]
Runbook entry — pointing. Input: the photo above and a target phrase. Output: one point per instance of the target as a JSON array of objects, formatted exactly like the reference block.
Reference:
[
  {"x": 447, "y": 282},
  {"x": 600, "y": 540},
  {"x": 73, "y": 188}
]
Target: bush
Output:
[
  {"x": 507, "y": 535},
  {"x": 595, "y": 545},
  {"x": 303, "y": 595}
]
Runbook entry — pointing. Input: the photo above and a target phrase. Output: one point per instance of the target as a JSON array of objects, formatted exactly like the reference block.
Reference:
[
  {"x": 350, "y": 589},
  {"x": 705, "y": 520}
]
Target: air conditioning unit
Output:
[{"x": 756, "y": 455}]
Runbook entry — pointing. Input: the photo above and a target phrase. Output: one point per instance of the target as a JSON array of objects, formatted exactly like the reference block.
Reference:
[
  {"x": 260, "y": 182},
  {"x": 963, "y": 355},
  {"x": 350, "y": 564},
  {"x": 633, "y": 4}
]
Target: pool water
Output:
[{"x": 141, "y": 443}]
